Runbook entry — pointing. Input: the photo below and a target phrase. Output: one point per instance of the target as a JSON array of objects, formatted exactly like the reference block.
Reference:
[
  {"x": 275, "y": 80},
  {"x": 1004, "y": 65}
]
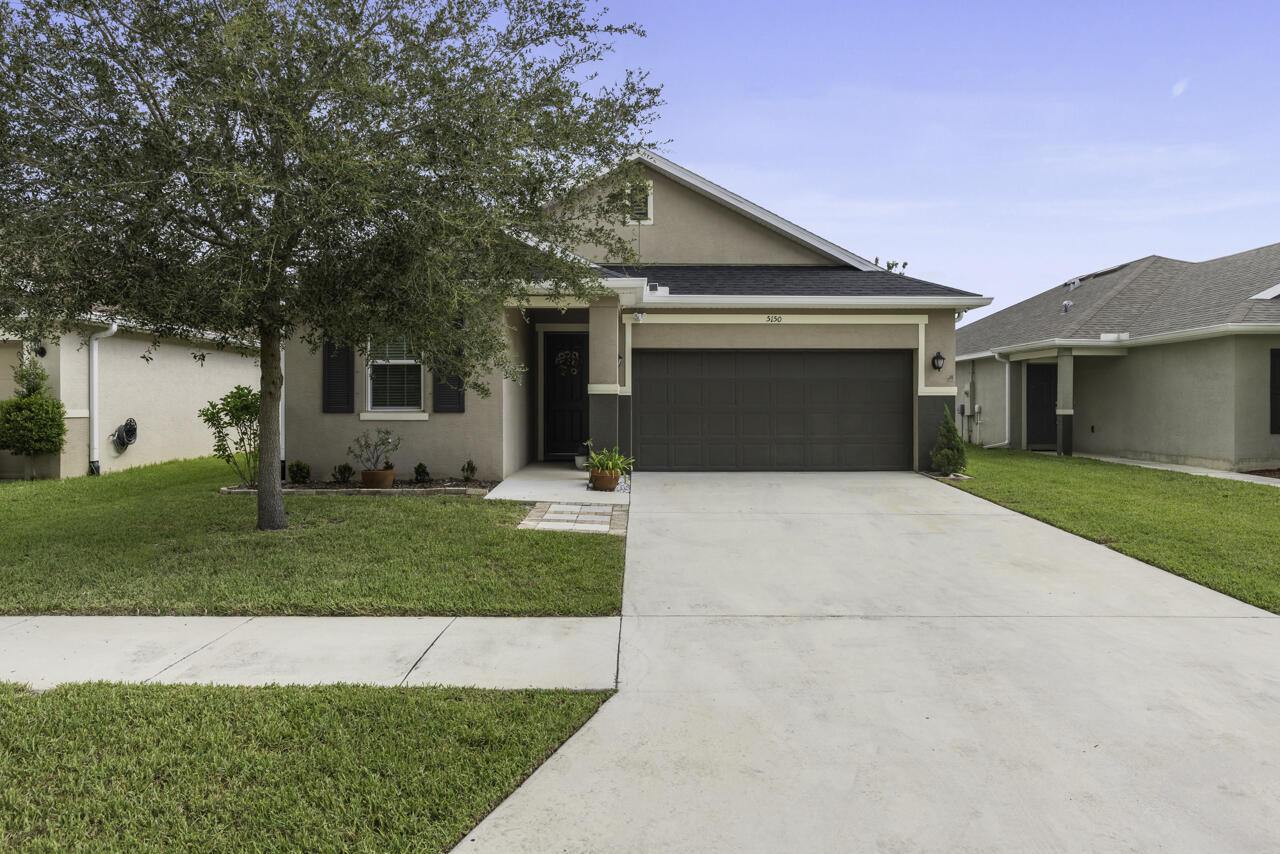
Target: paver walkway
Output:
[
  {"x": 487, "y": 652},
  {"x": 881, "y": 662},
  {"x": 584, "y": 518}
]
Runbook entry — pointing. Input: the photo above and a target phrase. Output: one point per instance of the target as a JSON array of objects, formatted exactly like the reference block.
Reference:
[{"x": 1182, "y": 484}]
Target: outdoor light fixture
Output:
[{"x": 938, "y": 361}]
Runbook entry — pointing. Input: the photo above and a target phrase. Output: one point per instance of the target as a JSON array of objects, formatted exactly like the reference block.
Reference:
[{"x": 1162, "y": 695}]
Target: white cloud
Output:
[{"x": 1181, "y": 86}]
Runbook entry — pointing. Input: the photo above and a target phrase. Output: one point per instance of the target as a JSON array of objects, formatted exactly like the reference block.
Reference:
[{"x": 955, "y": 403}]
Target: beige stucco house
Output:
[
  {"x": 1156, "y": 359},
  {"x": 161, "y": 394},
  {"x": 744, "y": 342}
]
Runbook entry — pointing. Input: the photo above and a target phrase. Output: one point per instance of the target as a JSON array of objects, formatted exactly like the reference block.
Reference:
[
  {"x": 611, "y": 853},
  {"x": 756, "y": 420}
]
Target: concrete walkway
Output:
[
  {"x": 1199, "y": 470},
  {"x": 884, "y": 663},
  {"x": 487, "y": 652}
]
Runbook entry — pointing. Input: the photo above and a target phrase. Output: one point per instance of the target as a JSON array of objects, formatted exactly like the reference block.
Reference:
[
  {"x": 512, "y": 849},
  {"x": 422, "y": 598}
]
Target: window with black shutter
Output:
[
  {"x": 338, "y": 379},
  {"x": 447, "y": 394},
  {"x": 1275, "y": 391}
]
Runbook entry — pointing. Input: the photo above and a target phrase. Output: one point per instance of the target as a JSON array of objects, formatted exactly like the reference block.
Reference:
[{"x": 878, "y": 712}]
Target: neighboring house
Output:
[
  {"x": 745, "y": 342},
  {"x": 1157, "y": 359},
  {"x": 161, "y": 395}
]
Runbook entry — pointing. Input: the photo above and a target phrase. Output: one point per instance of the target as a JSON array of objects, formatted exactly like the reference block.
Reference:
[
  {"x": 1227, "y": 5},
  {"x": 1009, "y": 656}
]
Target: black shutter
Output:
[
  {"x": 339, "y": 379},
  {"x": 447, "y": 394},
  {"x": 1275, "y": 391}
]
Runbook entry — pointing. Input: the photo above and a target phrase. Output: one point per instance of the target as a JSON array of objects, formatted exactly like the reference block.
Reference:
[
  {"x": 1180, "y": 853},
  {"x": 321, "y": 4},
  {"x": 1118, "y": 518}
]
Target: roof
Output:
[
  {"x": 1150, "y": 296},
  {"x": 783, "y": 280},
  {"x": 751, "y": 210}
]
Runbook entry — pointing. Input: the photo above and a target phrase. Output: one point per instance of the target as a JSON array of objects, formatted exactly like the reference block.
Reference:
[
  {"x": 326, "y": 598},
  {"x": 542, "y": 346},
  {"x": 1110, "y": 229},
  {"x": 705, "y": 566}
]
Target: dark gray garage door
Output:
[{"x": 787, "y": 410}]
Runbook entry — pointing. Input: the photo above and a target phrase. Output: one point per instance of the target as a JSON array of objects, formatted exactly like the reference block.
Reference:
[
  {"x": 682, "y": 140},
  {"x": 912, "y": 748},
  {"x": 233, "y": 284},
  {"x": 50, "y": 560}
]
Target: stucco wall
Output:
[
  {"x": 981, "y": 382},
  {"x": 1256, "y": 446},
  {"x": 1172, "y": 402},
  {"x": 517, "y": 397},
  {"x": 689, "y": 228},
  {"x": 10, "y": 465},
  {"x": 442, "y": 440}
]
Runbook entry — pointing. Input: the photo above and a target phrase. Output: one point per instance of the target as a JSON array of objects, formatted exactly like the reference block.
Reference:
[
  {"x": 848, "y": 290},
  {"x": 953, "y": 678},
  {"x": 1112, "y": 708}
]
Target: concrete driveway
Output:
[{"x": 878, "y": 662}]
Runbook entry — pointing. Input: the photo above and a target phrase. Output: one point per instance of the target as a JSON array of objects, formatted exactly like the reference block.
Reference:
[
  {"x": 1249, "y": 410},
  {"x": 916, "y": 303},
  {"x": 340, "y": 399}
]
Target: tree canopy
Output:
[{"x": 266, "y": 170}]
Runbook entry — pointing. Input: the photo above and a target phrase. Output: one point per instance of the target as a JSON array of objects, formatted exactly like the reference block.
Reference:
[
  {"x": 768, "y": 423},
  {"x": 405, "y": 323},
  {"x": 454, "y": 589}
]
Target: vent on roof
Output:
[
  {"x": 1073, "y": 284},
  {"x": 1066, "y": 305}
]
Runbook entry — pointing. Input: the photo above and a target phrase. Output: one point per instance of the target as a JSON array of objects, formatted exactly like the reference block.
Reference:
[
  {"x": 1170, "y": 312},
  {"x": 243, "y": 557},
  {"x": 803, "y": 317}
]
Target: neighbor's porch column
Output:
[
  {"x": 602, "y": 375},
  {"x": 1066, "y": 400}
]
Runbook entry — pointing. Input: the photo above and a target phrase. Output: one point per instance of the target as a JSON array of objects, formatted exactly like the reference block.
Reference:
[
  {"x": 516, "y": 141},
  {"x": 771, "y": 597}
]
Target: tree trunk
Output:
[{"x": 270, "y": 497}]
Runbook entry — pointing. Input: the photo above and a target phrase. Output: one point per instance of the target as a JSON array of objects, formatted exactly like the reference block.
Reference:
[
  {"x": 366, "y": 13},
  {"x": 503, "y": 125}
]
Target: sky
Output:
[{"x": 1001, "y": 148}]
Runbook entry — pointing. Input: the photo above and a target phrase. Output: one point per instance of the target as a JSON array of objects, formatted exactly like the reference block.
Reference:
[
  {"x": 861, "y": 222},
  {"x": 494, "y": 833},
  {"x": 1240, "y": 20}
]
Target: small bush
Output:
[
  {"x": 469, "y": 470},
  {"x": 299, "y": 472},
  {"x": 374, "y": 452},
  {"x": 342, "y": 473},
  {"x": 32, "y": 425},
  {"x": 234, "y": 422},
  {"x": 948, "y": 455},
  {"x": 420, "y": 473}
]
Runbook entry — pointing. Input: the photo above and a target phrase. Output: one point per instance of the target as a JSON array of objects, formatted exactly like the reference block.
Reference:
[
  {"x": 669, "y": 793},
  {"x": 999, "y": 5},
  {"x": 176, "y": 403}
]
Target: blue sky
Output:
[{"x": 998, "y": 147}]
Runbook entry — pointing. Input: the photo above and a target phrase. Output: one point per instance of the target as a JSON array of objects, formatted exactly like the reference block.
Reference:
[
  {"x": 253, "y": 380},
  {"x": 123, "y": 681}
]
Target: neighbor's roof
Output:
[
  {"x": 783, "y": 280},
  {"x": 1150, "y": 296}
]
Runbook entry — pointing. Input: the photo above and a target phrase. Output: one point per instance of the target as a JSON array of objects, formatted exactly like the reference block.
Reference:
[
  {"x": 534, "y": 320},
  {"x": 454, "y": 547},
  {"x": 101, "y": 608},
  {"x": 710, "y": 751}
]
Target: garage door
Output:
[{"x": 786, "y": 410}]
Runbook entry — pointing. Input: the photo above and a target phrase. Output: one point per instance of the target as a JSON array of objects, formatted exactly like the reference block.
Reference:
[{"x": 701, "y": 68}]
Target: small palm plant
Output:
[{"x": 607, "y": 467}]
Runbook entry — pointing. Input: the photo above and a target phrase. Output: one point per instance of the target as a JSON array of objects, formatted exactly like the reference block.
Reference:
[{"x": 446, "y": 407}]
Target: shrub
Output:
[
  {"x": 234, "y": 422},
  {"x": 33, "y": 422},
  {"x": 611, "y": 460},
  {"x": 342, "y": 473},
  {"x": 299, "y": 472},
  {"x": 374, "y": 452},
  {"x": 469, "y": 470},
  {"x": 948, "y": 456},
  {"x": 420, "y": 473}
]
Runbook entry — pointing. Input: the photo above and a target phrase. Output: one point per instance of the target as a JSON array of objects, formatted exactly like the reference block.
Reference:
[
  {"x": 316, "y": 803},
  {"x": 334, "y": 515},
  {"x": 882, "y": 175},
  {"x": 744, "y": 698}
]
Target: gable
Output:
[{"x": 691, "y": 228}]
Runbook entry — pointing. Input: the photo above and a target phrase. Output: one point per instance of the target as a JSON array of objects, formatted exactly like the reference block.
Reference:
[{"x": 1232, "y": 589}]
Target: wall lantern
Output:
[{"x": 938, "y": 361}]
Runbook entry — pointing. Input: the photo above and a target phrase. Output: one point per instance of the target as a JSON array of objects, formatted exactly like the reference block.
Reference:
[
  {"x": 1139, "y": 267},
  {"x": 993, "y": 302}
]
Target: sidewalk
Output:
[
  {"x": 486, "y": 652},
  {"x": 1197, "y": 470}
]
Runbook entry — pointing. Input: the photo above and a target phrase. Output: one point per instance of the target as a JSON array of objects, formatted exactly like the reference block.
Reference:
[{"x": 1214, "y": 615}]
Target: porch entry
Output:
[
  {"x": 564, "y": 405},
  {"x": 1042, "y": 403}
]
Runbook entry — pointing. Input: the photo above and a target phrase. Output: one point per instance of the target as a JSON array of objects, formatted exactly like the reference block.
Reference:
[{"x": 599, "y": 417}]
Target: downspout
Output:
[
  {"x": 95, "y": 466},
  {"x": 282, "y": 455},
  {"x": 1008, "y": 404}
]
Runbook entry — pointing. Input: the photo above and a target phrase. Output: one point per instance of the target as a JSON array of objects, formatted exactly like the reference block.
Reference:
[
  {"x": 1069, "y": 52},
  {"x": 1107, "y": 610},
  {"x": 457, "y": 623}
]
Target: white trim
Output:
[
  {"x": 625, "y": 391},
  {"x": 77, "y": 413},
  {"x": 1270, "y": 293},
  {"x": 780, "y": 318},
  {"x": 751, "y": 210},
  {"x": 369, "y": 362},
  {"x": 603, "y": 388},
  {"x": 937, "y": 391},
  {"x": 1080, "y": 345},
  {"x": 1064, "y": 412},
  {"x": 394, "y": 415},
  {"x": 543, "y": 328},
  {"x": 784, "y": 302}
]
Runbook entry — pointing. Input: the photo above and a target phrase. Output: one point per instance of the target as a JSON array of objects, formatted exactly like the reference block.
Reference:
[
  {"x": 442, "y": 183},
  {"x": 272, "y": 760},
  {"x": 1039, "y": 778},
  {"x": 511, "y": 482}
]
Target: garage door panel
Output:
[{"x": 760, "y": 410}]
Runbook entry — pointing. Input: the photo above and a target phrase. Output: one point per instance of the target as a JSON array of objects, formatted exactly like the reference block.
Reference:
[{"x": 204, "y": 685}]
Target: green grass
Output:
[
  {"x": 161, "y": 540},
  {"x": 1220, "y": 533},
  {"x": 339, "y": 768}
]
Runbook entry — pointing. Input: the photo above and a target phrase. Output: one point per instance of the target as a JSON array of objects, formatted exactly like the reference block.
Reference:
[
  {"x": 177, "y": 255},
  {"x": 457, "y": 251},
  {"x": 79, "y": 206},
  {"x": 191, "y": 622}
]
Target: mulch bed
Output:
[
  {"x": 1267, "y": 473},
  {"x": 443, "y": 486},
  {"x": 434, "y": 483}
]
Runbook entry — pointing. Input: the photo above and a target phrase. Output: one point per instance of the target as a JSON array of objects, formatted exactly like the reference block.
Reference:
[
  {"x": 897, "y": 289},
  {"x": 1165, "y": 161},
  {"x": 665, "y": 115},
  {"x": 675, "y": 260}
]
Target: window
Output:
[
  {"x": 641, "y": 209},
  {"x": 395, "y": 377},
  {"x": 1275, "y": 391}
]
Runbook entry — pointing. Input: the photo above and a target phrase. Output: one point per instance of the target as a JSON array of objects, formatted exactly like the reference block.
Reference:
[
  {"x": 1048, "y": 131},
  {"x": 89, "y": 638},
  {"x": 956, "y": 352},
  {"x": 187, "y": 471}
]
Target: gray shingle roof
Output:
[
  {"x": 1144, "y": 297},
  {"x": 785, "y": 280}
]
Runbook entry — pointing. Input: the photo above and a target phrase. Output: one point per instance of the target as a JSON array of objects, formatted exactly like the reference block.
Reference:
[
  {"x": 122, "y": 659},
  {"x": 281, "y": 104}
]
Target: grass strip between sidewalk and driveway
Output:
[
  {"x": 1223, "y": 534},
  {"x": 113, "y": 767},
  {"x": 161, "y": 540}
]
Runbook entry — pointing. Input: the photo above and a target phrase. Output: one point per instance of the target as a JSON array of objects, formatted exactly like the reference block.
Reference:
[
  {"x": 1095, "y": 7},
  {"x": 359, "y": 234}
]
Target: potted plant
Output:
[
  {"x": 580, "y": 456},
  {"x": 373, "y": 456},
  {"x": 607, "y": 467}
]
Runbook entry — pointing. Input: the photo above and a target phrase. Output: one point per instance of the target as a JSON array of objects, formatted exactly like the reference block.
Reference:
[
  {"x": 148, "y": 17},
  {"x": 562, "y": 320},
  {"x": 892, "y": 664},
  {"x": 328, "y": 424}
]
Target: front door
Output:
[
  {"x": 564, "y": 402},
  {"x": 1042, "y": 406}
]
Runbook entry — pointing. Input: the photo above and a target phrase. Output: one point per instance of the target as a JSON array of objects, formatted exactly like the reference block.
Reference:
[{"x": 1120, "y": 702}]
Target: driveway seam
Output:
[
  {"x": 414, "y": 667},
  {"x": 20, "y": 622},
  {"x": 237, "y": 626}
]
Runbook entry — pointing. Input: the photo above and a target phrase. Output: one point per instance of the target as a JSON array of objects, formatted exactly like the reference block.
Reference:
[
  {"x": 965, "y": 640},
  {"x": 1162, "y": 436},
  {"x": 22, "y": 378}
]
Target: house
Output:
[
  {"x": 103, "y": 382},
  {"x": 744, "y": 342},
  {"x": 1156, "y": 359}
]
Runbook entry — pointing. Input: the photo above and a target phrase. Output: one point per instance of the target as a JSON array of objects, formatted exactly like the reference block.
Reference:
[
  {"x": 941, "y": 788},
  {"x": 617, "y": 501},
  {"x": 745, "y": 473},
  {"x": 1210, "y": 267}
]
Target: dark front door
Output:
[
  {"x": 564, "y": 402},
  {"x": 1042, "y": 406},
  {"x": 787, "y": 410}
]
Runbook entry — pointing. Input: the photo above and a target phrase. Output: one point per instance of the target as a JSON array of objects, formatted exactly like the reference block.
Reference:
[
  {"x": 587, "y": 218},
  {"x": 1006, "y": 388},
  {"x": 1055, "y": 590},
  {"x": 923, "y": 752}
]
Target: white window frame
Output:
[
  {"x": 368, "y": 387},
  {"x": 649, "y": 208}
]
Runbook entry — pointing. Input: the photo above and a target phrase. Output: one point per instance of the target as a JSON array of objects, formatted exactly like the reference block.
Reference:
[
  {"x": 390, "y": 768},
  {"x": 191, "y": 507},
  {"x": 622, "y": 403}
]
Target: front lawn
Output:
[
  {"x": 338, "y": 768},
  {"x": 1220, "y": 533},
  {"x": 161, "y": 540}
]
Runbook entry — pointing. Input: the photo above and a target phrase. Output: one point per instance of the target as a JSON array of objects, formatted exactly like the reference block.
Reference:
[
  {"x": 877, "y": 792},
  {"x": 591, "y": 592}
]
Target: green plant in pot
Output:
[
  {"x": 607, "y": 468},
  {"x": 373, "y": 457}
]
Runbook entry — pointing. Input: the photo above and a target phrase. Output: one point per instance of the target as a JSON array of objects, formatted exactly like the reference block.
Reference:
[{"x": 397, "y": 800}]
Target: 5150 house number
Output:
[{"x": 773, "y": 318}]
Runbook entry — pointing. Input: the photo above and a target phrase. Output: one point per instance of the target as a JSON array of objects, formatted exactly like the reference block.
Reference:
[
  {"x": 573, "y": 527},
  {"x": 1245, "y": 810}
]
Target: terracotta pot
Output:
[
  {"x": 378, "y": 478},
  {"x": 605, "y": 481}
]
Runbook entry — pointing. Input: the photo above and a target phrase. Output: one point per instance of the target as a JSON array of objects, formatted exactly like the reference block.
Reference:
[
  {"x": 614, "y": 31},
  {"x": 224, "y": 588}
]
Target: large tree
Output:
[{"x": 268, "y": 170}]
